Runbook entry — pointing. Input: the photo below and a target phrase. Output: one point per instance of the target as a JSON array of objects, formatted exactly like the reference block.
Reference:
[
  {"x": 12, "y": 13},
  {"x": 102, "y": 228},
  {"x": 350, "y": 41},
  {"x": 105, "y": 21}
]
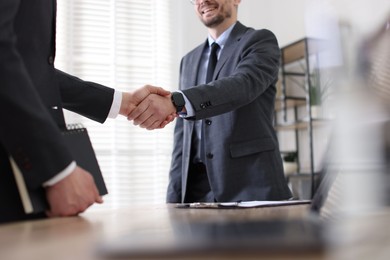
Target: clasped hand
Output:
[{"x": 149, "y": 107}]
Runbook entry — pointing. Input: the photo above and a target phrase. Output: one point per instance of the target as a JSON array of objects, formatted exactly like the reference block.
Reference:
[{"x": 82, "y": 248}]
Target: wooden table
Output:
[{"x": 79, "y": 237}]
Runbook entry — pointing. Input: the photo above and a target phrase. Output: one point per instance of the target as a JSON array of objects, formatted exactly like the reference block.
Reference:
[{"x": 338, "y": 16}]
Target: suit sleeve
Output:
[
  {"x": 27, "y": 133},
  {"x": 86, "y": 98},
  {"x": 253, "y": 67}
]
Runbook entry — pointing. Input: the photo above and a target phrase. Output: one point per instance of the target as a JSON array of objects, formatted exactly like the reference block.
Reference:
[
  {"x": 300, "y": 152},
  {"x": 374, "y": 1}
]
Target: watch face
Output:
[{"x": 178, "y": 101}]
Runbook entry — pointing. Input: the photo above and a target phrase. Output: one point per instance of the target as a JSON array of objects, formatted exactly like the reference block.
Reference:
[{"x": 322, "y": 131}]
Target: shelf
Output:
[
  {"x": 296, "y": 51},
  {"x": 304, "y": 174},
  {"x": 300, "y": 124},
  {"x": 289, "y": 102},
  {"x": 297, "y": 74},
  {"x": 303, "y": 55}
]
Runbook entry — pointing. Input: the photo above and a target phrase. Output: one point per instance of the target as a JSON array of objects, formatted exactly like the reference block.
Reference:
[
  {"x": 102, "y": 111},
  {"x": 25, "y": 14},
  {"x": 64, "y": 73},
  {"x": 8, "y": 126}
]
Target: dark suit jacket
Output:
[
  {"x": 243, "y": 159},
  {"x": 32, "y": 95}
]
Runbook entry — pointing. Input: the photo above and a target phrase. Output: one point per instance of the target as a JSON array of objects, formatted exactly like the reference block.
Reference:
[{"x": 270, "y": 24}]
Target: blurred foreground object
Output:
[{"x": 360, "y": 152}]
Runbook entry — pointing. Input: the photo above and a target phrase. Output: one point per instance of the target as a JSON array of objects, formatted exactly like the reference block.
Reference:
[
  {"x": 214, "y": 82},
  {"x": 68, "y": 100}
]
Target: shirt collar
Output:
[{"x": 221, "y": 40}]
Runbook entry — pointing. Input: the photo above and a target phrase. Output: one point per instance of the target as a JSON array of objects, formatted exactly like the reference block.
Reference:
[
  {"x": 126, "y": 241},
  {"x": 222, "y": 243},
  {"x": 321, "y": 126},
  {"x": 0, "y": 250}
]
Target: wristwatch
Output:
[{"x": 178, "y": 101}]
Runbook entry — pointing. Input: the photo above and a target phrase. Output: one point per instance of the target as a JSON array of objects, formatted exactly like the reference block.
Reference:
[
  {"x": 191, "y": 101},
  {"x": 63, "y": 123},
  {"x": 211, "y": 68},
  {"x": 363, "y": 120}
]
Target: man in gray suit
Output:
[{"x": 225, "y": 146}]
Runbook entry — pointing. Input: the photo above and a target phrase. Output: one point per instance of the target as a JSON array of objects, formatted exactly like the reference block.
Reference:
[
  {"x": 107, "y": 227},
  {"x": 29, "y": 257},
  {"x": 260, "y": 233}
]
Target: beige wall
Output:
[
  {"x": 284, "y": 17},
  {"x": 288, "y": 19}
]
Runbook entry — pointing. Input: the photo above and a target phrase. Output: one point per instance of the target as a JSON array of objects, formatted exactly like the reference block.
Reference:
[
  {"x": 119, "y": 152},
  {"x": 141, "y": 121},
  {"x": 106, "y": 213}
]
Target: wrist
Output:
[
  {"x": 178, "y": 101},
  {"x": 125, "y": 104}
]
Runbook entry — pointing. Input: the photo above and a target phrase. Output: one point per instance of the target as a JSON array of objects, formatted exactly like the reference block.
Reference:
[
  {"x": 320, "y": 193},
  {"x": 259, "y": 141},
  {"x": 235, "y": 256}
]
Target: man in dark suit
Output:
[
  {"x": 32, "y": 95},
  {"x": 225, "y": 146}
]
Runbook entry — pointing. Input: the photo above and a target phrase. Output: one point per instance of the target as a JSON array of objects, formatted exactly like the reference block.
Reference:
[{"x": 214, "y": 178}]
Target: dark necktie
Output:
[
  {"x": 197, "y": 138},
  {"x": 209, "y": 76},
  {"x": 212, "y": 62}
]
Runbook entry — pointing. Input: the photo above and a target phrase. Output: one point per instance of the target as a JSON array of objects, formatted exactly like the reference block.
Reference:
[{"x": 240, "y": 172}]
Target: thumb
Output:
[
  {"x": 99, "y": 199},
  {"x": 158, "y": 90}
]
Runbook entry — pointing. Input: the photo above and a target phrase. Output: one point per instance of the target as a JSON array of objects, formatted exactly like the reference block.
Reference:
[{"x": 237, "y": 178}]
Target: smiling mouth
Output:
[{"x": 208, "y": 10}]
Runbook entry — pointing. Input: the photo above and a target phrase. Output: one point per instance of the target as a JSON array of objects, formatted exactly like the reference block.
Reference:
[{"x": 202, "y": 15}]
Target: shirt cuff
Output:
[
  {"x": 116, "y": 104},
  {"x": 59, "y": 177},
  {"x": 190, "y": 111}
]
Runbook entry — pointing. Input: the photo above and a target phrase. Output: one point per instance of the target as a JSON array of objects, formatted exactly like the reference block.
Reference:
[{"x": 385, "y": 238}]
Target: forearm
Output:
[{"x": 89, "y": 99}]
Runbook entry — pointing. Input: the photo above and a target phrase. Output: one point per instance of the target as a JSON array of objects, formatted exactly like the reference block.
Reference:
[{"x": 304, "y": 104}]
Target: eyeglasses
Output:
[{"x": 195, "y": 2}]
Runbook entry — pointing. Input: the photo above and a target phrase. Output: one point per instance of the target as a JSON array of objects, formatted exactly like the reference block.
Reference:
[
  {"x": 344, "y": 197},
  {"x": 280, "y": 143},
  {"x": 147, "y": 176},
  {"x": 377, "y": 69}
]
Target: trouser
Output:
[{"x": 198, "y": 186}]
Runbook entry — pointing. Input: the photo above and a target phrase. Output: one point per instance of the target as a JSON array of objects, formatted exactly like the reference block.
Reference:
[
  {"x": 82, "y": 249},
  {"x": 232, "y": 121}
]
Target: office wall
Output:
[
  {"x": 284, "y": 18},
  {"x": 288, "y": 19},
  {"x": 364, "y": 15}
]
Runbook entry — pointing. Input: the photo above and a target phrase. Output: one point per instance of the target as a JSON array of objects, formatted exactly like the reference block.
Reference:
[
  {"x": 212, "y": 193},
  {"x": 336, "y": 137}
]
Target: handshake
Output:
[{"x": 149, "y": 107}]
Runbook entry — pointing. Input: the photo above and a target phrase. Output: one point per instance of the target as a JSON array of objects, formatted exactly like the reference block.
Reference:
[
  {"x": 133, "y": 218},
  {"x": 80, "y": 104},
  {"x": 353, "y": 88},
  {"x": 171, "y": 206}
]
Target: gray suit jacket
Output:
[{"x": 243, "y": 159}]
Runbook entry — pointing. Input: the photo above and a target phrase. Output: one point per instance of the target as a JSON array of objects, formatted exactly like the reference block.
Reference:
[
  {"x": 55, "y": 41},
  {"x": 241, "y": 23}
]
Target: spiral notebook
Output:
[{"x": 77, "y": 138}]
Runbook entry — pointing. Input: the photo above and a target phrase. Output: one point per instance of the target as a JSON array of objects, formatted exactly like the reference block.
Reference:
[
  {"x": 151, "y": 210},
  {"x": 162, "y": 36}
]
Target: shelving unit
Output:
[{"x": 298, "y": 60}]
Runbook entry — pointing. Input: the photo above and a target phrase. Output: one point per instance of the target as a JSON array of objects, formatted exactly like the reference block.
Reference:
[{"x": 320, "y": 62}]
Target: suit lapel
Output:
[
  {"x": 195, "y": 59},
  {"x": 230, "y": 46}
]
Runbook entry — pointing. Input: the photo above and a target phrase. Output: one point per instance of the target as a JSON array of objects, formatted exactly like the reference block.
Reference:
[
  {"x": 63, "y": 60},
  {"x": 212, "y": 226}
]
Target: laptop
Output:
[{"x": 226, "y": 237}]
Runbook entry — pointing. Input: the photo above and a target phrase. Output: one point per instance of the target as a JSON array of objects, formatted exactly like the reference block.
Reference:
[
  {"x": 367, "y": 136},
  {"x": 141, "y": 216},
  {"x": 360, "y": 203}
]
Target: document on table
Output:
[{"x": 243, "y": 204}]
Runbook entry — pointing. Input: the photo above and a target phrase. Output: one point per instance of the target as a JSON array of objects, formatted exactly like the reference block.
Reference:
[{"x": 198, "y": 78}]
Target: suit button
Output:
[
  {"x": 203, "y": 105},
  {"x": 51, "y": 60},
  {"x": 210, "y": 156},
  {"x": 208, "y": 122}
]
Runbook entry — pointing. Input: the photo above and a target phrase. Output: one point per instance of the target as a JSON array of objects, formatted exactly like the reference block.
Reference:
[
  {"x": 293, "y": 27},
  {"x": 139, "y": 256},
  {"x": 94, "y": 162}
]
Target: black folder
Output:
[{"x": 77, "y": 138}]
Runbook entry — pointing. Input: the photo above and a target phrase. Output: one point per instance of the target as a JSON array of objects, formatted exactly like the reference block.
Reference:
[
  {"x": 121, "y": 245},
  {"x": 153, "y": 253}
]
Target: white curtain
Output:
[{"x": 123, "y": 44}]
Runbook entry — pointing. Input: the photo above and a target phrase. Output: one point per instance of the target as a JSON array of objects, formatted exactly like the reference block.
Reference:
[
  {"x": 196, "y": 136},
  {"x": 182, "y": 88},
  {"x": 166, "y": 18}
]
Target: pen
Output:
[
  {"x": 203, "y": 205},
  {"x": 206, "y": 205}
]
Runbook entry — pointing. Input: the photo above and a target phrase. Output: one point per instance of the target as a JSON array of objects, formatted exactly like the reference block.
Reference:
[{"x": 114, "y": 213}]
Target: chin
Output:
[{"x": 213, "y": 22}]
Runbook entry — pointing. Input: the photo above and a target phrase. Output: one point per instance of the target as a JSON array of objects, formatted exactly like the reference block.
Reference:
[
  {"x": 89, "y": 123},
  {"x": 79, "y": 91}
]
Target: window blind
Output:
[{"x": 123, "y": 44}]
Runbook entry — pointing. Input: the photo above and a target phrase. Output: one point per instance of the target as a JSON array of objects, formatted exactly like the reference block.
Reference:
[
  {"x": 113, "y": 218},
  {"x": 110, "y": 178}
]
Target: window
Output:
[{"x": 123, "y": 44}]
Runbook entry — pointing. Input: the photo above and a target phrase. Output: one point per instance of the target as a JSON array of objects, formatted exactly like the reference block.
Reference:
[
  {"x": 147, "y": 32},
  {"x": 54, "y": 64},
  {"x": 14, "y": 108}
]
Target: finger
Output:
[
  {"x": 158, "y": 90},
  {"x": 65, "y": 212},
  {"x": 170, "y": 118},
  {"x": 154, "y": 122},
  {"x": 99, "y": 200},
  {"x": 145, "y": 119},
  {"x": 163, "y": 124},
  {"x": 97, "y": 197},
  {"x": 82, "y": 207},
  {"x": 137, "y": 113},
  {"x": 140, "y": 94},
  {"x": 148, "y": 124},
  {"x": 155, "y": 125}
]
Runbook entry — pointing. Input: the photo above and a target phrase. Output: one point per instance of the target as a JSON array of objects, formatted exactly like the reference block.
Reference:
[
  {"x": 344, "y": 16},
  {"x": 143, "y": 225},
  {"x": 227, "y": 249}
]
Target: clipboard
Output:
[{"x": 241, "y": 204}]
